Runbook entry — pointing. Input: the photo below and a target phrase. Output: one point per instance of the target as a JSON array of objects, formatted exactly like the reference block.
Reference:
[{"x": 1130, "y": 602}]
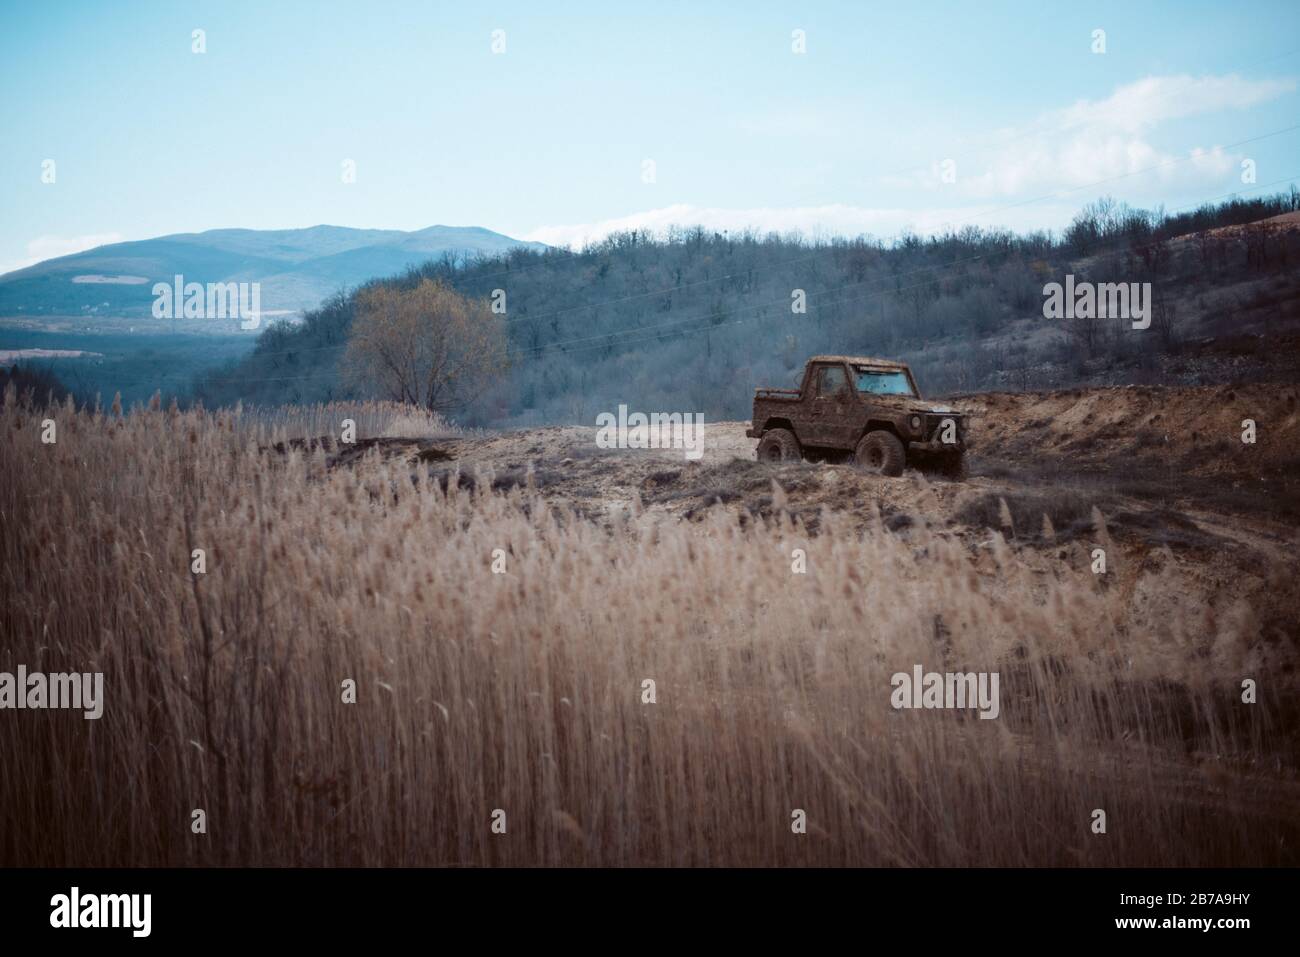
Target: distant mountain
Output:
[{"x": 297, "y": 268}]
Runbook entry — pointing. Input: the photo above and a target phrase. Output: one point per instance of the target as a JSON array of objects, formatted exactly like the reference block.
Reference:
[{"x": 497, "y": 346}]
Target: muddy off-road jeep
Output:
[{"x": 869, "y": 408}]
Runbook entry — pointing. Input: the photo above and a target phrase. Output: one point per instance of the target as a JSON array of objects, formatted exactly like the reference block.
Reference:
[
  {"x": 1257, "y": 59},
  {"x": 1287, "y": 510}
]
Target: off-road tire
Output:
[
  {"x": 953, "y": 465},
  {"x": 881, "y": 453},
  {"x": 778, "y": 445}
]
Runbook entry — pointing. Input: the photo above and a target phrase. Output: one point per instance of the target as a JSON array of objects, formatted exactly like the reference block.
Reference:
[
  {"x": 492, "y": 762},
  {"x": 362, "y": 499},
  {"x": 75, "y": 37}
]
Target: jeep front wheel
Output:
[
  {"x": 779, "y": 445},
  {"x": 880, "y": 452}
]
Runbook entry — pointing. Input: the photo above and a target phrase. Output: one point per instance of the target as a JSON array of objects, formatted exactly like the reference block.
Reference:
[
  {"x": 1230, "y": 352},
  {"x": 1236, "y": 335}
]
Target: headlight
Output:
[{"x": 916, "y": 423}]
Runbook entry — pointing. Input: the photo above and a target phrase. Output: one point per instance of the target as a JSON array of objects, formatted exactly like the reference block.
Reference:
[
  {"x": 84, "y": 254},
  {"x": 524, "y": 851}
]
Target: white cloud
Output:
[
  {"x": 1155, "y": 99},
  {"x": 1085, "y": 143},
  {"x": 1092, "y": 141},
  {"x": 51, "y": 247}
]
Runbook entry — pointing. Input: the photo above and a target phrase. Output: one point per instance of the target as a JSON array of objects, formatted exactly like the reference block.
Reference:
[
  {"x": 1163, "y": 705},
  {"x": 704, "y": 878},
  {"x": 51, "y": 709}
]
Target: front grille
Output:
[{"x": 934, "y": 423}]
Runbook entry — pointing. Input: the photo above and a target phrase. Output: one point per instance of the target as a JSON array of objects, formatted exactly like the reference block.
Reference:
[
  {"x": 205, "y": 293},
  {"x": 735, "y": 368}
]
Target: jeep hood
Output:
[{"x": 910, "y": 404}]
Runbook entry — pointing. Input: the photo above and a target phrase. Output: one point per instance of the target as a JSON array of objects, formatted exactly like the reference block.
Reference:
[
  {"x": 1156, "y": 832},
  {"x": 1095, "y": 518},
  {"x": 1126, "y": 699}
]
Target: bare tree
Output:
[
  {"x": 429, "y": 346},
  {"x": 1154, "y": 254},
  {"x": 1257, "y": 244},
  {"x": 1164, "y": 320},
  {"x": 1019, "y": 367},
  {"x": 1086, "y": 331}
]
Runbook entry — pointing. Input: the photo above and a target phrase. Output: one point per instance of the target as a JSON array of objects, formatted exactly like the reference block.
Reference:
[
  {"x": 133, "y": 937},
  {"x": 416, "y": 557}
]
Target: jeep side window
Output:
[{"x": 831, "y": 381}]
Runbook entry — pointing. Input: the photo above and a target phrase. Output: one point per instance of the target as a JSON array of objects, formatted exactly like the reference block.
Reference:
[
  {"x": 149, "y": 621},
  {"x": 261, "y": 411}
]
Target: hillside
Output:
[
  {"x": 298, "y": 268},
  {"x": 696, "y": 320}
]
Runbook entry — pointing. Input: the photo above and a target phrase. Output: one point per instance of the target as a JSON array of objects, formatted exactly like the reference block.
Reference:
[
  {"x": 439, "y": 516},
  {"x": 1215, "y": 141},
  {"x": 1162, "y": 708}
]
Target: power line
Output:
[
  {"x": 1136, "y": 172},
  {"x": 577, "y": 256},
  {"x": 663, "y": 331},
  {"x": 1074, "y": 124},
  {"x": 818, "y": 253},
  {"x": 660, "y": 331}
]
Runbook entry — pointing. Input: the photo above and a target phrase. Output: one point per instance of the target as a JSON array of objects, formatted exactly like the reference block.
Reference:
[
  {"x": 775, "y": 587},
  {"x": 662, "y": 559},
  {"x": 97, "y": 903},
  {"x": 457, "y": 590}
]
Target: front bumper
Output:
[{"x": 937, "y": 447}]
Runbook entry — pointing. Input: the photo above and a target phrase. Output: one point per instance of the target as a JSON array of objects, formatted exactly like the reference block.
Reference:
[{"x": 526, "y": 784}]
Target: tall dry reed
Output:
[{"x": 523, "y": 691}]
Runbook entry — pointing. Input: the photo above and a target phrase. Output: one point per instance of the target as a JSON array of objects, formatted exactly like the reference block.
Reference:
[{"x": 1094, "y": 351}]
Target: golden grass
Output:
[
  {"x": 523, "y": 691},
  {"x": 371, "y": 418}
]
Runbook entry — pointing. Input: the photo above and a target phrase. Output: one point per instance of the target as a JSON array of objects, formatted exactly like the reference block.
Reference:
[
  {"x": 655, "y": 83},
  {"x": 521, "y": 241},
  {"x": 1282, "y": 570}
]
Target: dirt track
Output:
[{"x": 1157, "y": 453}]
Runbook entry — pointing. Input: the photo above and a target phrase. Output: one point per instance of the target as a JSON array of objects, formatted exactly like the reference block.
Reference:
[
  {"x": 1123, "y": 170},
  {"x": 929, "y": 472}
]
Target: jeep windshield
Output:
[{"x": 881, "y": 382}]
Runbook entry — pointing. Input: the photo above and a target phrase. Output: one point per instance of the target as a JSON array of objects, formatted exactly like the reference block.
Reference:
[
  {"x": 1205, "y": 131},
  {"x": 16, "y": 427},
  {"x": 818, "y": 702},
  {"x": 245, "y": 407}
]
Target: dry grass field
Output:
[{"x": 521, "y": 688}]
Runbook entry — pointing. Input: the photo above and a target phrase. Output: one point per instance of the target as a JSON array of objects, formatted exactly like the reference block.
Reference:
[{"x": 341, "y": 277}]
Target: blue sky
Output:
[{"x": 549, "y": 139}]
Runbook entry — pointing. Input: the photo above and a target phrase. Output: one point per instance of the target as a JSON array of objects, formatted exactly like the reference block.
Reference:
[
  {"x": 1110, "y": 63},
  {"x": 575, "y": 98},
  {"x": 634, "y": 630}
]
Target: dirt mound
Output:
[
  {"x": 1194, "y": 429},
  {"x": 1284, "y": 222}
]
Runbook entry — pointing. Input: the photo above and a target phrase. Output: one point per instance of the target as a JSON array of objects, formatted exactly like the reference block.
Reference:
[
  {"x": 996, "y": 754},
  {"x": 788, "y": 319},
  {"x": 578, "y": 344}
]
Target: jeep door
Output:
[{"x": 832, "y": 407}]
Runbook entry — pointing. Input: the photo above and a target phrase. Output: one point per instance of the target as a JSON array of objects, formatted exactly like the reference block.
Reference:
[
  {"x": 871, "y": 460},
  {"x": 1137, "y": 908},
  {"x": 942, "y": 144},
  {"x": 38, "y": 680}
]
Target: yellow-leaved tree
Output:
[{"x": 428, "y": 345}]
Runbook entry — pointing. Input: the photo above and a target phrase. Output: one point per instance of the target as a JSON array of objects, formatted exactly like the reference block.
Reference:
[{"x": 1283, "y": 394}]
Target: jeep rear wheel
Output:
[
  {"x": 779, "y": 445},
  {"x": 880, "y": 452}
]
